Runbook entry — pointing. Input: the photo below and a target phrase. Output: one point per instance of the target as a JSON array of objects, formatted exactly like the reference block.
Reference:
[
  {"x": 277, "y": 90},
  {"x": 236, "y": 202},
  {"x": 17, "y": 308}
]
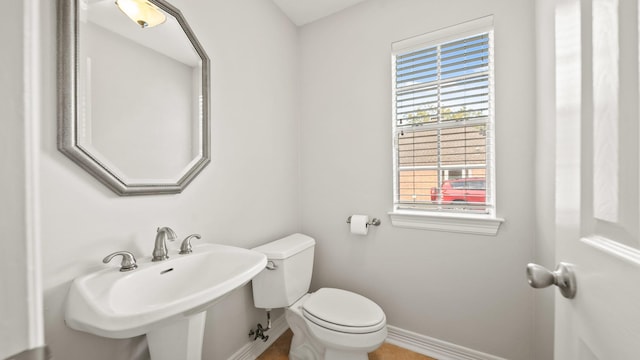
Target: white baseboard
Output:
[
  {"x": 253, "y": 349},
  {"x": 435, "y": 348},
  {"x": 415, "y": 342}
]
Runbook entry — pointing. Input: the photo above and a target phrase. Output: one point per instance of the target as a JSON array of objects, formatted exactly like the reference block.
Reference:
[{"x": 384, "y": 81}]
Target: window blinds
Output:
[{"x": 443, "y": 131}]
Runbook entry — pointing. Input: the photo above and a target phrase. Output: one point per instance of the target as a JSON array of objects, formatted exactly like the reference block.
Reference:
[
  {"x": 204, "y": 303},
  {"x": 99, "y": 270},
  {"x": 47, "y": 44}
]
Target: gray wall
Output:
[
  {"x": 245, "y": 197},
  {"x": 465, "y": 289}
]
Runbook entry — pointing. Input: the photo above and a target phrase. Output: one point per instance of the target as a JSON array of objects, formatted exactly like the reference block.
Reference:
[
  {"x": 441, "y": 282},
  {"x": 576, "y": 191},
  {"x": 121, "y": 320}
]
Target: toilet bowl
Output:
[{"x": 331, "y": 324}]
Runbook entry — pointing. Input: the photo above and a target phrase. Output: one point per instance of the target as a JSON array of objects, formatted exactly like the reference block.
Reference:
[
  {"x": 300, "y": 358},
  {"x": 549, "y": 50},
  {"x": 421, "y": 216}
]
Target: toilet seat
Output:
[{"x": 343, "y": 311}]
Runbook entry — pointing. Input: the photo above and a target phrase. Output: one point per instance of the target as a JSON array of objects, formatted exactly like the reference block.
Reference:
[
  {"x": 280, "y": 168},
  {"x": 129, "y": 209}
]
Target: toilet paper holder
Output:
[{"x": 374, "y": 221}]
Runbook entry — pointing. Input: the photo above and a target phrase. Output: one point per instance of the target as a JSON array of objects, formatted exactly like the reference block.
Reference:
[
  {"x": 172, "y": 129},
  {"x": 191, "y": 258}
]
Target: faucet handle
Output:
[
  {"x": 185, "y": 248},
  {"x": 128, "y": 260}
]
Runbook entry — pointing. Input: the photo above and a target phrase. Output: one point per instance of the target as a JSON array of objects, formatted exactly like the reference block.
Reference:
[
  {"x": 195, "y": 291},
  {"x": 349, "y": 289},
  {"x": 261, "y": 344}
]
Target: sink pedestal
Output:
[{"x": 181, "y": 340}]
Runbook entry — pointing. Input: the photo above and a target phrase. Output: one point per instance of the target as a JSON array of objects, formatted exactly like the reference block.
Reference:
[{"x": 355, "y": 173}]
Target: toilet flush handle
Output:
[{"x": 271, "y": 265}]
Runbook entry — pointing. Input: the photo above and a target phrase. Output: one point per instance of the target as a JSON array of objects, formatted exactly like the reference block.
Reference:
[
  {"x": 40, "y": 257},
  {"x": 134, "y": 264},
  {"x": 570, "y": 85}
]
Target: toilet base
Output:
[{"x": 305, "y": 345}]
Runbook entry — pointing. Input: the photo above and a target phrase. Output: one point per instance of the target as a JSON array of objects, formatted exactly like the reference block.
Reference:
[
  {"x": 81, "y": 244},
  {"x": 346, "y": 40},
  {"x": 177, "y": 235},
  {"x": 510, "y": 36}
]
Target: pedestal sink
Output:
[{"x": 165, "y": 300}]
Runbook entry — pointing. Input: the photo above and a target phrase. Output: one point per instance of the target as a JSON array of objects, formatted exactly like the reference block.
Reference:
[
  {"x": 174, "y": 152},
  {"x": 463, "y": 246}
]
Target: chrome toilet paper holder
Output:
[{"x": 374, "y": 221}]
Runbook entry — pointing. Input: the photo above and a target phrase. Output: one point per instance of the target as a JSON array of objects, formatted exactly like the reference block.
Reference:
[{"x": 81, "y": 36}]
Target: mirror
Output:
[{"x": 133, "y": 94}]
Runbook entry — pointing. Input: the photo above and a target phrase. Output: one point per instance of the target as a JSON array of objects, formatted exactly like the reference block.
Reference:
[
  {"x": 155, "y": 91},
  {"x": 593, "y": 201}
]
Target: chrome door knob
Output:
[{"x": 563, "y": 277}]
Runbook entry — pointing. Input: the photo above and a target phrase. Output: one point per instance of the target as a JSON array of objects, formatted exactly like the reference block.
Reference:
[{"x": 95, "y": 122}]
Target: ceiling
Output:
[{"x": 305, "y": 11}]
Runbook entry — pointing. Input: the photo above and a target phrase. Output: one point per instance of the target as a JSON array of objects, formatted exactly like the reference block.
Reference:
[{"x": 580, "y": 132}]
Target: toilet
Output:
[{"x": 331, "y": 324}]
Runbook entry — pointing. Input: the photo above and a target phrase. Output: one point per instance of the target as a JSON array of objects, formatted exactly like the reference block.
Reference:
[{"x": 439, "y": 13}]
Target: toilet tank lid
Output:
[{"x": 286, "y": 247}]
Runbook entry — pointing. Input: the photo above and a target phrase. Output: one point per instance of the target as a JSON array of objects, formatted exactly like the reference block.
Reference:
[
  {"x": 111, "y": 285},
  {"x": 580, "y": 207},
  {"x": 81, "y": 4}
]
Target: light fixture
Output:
[{"x": 142, "y": 12}]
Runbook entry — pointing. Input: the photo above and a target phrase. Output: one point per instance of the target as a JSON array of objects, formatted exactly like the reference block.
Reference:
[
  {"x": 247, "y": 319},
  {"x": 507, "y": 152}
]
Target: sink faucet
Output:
[{"x": 160, "y": 249}]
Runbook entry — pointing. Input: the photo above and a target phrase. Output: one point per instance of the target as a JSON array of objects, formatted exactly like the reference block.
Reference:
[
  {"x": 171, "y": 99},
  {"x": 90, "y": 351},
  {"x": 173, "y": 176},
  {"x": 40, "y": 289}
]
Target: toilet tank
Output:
[{"x": 292, "y": 261}]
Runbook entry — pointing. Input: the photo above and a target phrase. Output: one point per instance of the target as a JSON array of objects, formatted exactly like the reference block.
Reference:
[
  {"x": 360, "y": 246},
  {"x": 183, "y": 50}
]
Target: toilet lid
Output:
[{"x": 343, "y": 311}]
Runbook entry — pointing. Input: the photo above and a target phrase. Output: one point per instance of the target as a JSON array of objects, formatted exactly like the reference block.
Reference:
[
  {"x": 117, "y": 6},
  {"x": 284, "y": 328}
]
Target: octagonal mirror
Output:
[{"x": 133, "y": 87}]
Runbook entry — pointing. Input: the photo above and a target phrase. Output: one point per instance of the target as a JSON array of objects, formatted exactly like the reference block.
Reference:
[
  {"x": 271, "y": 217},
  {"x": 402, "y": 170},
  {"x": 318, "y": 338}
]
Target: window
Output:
[{"x": 443, "y": 122}]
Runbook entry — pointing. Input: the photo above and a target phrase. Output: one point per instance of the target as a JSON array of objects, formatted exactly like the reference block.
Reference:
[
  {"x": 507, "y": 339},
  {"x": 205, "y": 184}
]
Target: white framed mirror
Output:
[{"x": 133, "y": 94}]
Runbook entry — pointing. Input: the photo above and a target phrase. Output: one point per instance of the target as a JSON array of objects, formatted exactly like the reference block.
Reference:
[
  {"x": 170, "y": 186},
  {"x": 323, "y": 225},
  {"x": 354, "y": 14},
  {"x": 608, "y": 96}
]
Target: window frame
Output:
[{"x": 441, "y": 220}]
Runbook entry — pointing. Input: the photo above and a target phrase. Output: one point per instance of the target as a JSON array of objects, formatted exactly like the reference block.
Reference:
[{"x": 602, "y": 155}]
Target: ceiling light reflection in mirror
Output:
[{"x": 142, "y": 12}]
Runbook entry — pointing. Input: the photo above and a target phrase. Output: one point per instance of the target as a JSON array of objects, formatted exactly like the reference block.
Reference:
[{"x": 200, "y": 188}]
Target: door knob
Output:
[{"x": 563, "y": 277}]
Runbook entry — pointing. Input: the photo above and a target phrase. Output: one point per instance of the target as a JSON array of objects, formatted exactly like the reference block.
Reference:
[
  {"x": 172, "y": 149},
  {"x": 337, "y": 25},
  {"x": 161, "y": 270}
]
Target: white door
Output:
[{"x": 597, "y": 178}]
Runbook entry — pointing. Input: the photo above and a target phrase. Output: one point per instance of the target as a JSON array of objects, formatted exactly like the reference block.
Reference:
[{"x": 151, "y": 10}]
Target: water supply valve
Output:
[{"x": 259, "y": 331}]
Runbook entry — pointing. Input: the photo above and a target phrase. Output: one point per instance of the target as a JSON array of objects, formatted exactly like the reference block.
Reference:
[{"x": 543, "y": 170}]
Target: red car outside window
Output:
[{"x": 469, "y": 190}]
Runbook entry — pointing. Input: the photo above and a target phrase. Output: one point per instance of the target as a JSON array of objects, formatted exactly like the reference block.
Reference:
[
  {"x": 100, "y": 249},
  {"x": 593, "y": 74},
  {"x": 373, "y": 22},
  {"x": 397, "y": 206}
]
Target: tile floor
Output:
[{"x": 279, "y": 350}]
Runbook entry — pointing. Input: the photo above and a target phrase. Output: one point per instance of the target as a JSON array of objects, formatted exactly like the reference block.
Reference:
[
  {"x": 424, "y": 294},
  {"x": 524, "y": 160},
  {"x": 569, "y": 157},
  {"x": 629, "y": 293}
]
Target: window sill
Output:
[{"x": 451, "y": 223}]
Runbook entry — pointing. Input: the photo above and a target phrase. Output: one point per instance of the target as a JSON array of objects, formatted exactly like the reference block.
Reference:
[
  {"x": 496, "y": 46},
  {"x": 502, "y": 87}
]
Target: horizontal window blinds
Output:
[{"x": 443, "y": 126}]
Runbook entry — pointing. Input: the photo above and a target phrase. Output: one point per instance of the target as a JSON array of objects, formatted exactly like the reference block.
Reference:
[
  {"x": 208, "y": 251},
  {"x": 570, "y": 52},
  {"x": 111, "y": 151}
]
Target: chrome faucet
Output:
[{"x": 160, "y": 249}]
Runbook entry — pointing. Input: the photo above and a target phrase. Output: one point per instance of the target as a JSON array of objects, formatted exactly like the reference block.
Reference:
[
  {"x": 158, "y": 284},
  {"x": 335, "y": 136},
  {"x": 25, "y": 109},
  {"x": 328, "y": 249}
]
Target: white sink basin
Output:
[{"x": 116, "y": 304}]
